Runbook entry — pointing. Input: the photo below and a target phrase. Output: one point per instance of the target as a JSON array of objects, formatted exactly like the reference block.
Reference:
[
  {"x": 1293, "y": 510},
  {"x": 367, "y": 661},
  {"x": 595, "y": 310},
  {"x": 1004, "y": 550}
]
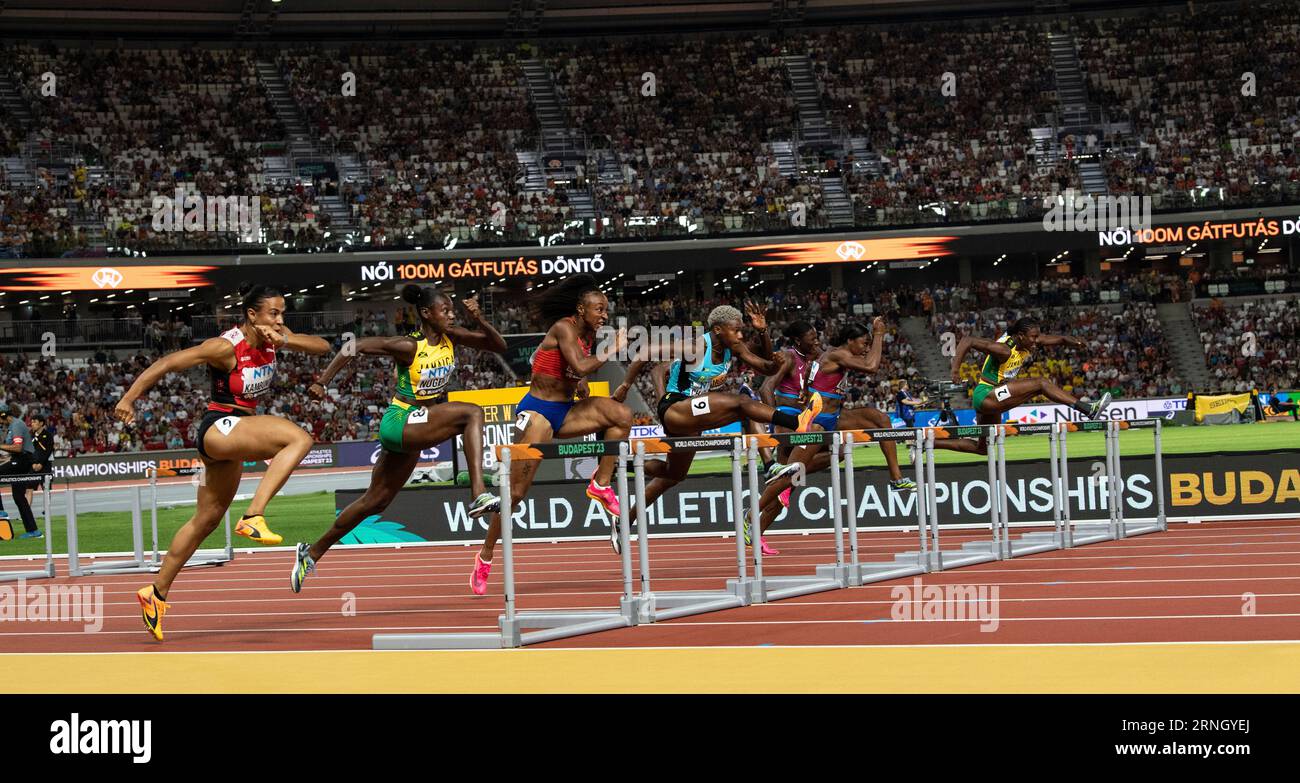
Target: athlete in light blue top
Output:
[{"x": 691, "y": 403}]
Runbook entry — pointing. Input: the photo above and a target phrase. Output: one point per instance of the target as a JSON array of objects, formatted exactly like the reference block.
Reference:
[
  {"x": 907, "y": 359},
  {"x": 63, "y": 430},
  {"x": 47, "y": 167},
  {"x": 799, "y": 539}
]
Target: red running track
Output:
[{"x": 1189, "y": 584}]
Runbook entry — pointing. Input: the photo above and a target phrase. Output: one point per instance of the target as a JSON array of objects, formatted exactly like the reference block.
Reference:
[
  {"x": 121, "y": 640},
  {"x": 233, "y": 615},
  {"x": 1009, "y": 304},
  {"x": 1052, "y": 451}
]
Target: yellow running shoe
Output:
[
  {"x": 152, "y": 609},
  {"x": 254, "y": 527}
]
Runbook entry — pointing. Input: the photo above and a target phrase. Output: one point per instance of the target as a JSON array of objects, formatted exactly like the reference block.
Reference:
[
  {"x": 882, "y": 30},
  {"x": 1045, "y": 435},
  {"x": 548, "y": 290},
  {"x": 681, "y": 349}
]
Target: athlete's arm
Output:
[
  {"x": 761, "y": 342},
  {"x": 993, "y": 348},
  {"x": 285, "y": 339},
  {"x": 400, "y": 348},
  {"x": 568, "y": 342},
  {"x": 660, "y": 377},
  {"x": 871, "y": 362},
  {"x": 767, "y": 392},
  {"x": 216, "y": 352},
  {"x": 633, "y": 372},
  {"x": 486, "y": 338},
  {"x": 1050, "y": 340}
]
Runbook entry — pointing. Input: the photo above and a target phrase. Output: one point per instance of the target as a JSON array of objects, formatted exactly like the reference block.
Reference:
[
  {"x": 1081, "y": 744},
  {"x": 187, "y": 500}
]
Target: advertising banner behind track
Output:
[
  {"x": 1152, "y": 408},
  {"x": 1230, "y": 485}
]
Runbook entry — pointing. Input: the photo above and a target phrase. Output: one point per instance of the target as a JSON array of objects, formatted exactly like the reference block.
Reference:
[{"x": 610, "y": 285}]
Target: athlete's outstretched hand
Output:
[
  {"x": 316, "y": 392},
  {"x": 757, "y": 315},
  {"x": 1076, "y": 342},
  {"x": 582, "y": 390},
  {"x": 124, "y": 412},
  {"x": 620, "y": 394},
  {"x": 270, "y": 335},
  {"x": 471, "y": 305},
  {"x": 877, "y": 325}
]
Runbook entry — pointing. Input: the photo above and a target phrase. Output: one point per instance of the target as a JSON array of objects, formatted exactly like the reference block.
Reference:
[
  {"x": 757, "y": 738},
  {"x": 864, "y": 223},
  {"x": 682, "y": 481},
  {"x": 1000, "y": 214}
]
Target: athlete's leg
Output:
[
  {"x": 261, "y": 437},
  {"x": 220, "y": 480},
  {"x": 971, "y": 445},
  {"x": 676, "y": 468},
  {"x": 596, "y": 414},
  {"x": 389, "y": 475},
  {"x": 537, "y": 430},
  {"x": 445, "y": 421},
  {"x": 691, "y": 416},
  {"x": 873, "y": 418}
]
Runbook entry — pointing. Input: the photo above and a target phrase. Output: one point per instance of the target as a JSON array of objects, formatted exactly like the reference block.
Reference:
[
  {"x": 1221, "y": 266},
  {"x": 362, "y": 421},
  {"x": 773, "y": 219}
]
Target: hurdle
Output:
[
  {"x": 140, "y": 562},
  {"x": 855, "y": 571},
  {"x": 1123, "y": 528},
  {"x": 761, "y": 589},
  {"x": 1066, "y": 532},
  {"x": 665, "y": 605},
  {"x": 201, "y": 557},
  {"x": 48, "y": 571},
  {"x": 519, "y": 628}
]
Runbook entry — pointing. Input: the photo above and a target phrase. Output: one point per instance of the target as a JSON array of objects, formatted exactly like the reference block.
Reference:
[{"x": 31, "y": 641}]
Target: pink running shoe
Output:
[
  {"x": 784, "y": 497},
  {"x": 767, "y": 550},
  {"x": 479, "y": 579},
  {"x": 605, "y": 496}
]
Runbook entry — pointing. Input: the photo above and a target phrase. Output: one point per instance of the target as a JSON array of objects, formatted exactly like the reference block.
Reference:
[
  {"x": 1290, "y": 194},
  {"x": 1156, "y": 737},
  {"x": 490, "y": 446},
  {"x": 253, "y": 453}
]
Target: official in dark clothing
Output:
[{"x": 21, "y": 448}]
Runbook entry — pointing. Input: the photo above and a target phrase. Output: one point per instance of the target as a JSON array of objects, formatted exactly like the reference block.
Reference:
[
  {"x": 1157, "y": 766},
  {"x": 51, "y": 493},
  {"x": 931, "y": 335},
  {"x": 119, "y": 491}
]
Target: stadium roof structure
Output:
[{"x": 387, "y": 19}]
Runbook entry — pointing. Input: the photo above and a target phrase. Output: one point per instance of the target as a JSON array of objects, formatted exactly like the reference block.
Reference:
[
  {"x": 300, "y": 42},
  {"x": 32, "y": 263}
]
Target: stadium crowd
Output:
[
  {"x": 1251, "y": 345},
  {"x": 424, "y": 141}
]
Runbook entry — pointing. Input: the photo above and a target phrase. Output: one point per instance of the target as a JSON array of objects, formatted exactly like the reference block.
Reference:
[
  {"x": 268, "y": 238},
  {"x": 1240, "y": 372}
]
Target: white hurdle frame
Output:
[{"x": 47, "y": 572}]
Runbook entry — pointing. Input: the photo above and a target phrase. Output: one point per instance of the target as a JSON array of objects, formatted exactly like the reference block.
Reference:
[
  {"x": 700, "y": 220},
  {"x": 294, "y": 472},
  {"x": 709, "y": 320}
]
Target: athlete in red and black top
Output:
[
  {"x": 576, "y": 308},
  {"x": 242, "y": 365}
]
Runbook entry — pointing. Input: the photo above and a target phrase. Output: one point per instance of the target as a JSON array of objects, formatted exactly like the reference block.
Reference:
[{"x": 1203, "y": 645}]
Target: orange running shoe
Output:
[
  {"x": 255, "y": 528},
  {"x": 152, "y": 609}
]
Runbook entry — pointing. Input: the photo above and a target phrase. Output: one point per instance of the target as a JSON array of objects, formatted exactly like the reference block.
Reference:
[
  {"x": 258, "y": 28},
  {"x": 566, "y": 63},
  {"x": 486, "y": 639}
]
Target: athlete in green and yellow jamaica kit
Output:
[
  {"x": 419, "y": 415},
  {"x": 999, "y": 390}
]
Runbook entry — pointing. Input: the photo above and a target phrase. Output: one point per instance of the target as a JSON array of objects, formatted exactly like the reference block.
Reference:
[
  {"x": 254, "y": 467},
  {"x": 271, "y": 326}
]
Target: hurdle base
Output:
[
  {"x": 775, "y": 588},
  {"x": 1035, "y": 542},
  {"x": 684, "y": 603},
  {"x": 839, "y": 572},
  {"x": 1141, "y": 528},
  {"x": 114, "y": 567},
  {"x": 971, "y": 553},
  {"x": 1091, "y": 534},
  {"x": 14, "y": 576},
  {"x": 883, "y": 572},
  {"x": 437, "y": 641}
]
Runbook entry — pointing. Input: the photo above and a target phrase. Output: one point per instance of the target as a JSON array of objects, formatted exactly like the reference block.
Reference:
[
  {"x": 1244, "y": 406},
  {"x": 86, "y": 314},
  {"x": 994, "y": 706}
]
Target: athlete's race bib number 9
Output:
[{"x": 700, "y": 406}]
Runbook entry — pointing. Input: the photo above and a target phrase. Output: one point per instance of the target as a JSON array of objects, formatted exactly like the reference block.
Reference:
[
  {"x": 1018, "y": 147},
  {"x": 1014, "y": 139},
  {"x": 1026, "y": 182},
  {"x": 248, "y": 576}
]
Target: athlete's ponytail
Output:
[
  {"x": 851, "y": 331},
  {"x": 421, "y": 296},
  {"x": 795, "y": 331},
  {"x": 1023, "y": 325},
  {"x": 562, "y": 300},
  {"x": 251, "y": 296}
]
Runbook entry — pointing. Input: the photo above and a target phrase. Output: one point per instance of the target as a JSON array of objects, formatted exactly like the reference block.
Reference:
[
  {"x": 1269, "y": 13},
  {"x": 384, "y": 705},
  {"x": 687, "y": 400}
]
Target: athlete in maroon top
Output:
[{"x": 242, "y": 365}]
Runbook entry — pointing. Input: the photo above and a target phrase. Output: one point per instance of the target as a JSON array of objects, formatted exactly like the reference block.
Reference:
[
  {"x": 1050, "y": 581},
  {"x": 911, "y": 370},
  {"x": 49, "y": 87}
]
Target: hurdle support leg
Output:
[
  {"x": 910, "y": 563},
  {"x": 1157, "y": 522},
  {"x": 978, "y": 551},
  {"x": 1083, "y": 532},
  {"x": 839, "y": 571},
  {"x": 669, "y": 604},
  {"x": 774, "y": 588},
  {"x": 1035, "y": 541}
]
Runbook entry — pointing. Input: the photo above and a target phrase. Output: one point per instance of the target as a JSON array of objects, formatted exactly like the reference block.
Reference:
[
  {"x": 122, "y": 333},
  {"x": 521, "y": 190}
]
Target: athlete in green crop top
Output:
[
  {"x": 999, "y": 390},
  {"x": 419, "y": 415}
]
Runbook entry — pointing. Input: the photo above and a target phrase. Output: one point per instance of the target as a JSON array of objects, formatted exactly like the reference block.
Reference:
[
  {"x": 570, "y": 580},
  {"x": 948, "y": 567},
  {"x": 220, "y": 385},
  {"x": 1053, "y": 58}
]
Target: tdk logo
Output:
[{"x": 97, "y": 737}]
